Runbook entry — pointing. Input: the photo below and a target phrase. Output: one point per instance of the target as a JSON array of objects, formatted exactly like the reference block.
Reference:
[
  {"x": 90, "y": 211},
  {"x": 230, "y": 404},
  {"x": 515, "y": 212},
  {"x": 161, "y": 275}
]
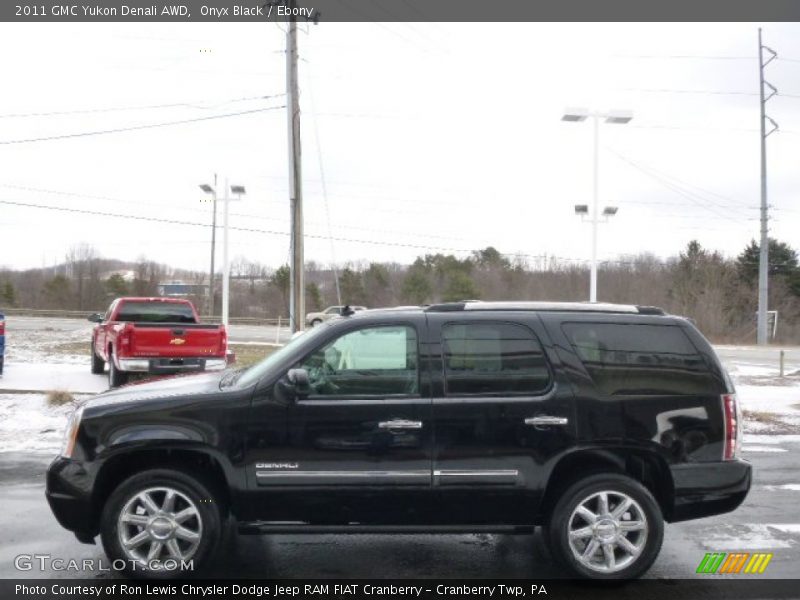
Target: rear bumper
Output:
[
  {"x": 162, "y": 365},
  {"x": 705, "y": 489}
]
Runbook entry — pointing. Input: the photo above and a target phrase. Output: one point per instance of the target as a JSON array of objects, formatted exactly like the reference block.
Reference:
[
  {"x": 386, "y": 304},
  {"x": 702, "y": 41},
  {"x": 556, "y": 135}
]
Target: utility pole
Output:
[
  {"x": 763, "y": 259},
  {"x": 226, "y": 268},
  {"x": 213, "y": 243},
  {"x": 595, "y": 192},
  {"x": 296, "y": 278}
]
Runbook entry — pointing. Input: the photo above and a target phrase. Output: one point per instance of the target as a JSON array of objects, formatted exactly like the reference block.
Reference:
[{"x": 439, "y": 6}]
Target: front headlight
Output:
[{"x": 71, "y": 432}]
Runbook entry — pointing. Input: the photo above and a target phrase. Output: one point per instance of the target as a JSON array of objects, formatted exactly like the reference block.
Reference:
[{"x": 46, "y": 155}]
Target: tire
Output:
[
  {"x": 196, "y": 538},
  {"x": 98, "y": 364},
  {"x": 316, "y": 322},
  {"x": 116, "y": 377},
  {"x": 641, "y": 525}
]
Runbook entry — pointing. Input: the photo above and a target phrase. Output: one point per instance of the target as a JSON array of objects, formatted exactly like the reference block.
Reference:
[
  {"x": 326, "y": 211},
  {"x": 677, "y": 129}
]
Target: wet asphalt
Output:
[{"x": 768, "y": 521}]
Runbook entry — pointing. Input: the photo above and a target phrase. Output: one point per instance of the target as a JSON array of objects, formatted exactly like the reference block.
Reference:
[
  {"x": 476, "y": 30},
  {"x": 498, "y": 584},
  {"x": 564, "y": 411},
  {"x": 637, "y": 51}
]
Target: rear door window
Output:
[
  {"x": 493, "y": 359},
  {"x": 629, "y": 358}
]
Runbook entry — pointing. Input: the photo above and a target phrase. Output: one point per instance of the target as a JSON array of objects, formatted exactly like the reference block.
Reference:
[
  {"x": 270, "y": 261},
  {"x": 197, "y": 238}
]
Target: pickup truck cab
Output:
[
  {"x": 157, "y": 336},
  {"x": 598, "y": 423}
]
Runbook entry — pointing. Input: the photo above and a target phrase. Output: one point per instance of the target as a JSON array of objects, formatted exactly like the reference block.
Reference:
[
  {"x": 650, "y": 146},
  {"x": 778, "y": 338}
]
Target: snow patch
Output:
[
  {"x": 29, "y": 424},
  {"x": 746, "y": 449},
  {"x": 752, "y": 536}
]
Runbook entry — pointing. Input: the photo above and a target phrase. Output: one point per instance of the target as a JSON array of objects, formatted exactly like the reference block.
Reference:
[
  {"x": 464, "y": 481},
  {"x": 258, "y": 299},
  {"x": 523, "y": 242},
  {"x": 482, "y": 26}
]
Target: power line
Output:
[
  {"x": 137, "y": 127},
  {"x": 197, "y": 105},
  {"x": 150, "y": 219},
  {"x": 688, "y": 194},
  {"x": 233, "y": 214},
  {"x": 701, "y": 92},
  {"x": 684, "y": 56}
]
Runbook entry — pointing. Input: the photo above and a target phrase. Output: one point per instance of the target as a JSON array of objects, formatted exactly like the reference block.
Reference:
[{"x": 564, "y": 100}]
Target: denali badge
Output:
[{"x": 276, "y": 465}]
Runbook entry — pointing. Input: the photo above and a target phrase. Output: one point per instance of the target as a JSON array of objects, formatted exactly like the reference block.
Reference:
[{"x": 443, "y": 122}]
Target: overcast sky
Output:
[{"x": 432, "y": 137}]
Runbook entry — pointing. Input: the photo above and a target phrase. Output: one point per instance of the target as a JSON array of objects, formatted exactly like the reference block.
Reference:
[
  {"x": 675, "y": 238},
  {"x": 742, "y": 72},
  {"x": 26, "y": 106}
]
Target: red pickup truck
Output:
[{"x": 154, "y": 335}]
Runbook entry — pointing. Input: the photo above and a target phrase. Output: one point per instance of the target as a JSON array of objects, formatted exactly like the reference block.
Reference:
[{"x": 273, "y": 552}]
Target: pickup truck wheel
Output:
[
  {"x": 98, "y": 364},
  {"x": 316, "y": 322},
  {"x": 606, "y": 526},
  {"x": 159, "y": 519},
  {"x": 116, "y": 377}
]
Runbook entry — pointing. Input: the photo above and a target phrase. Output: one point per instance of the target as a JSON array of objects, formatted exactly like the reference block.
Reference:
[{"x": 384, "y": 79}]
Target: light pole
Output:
[
  {"x": 239, "y": 190},
  {"x": 213, "y": 191},
  {"x": 616, "y": 117}
]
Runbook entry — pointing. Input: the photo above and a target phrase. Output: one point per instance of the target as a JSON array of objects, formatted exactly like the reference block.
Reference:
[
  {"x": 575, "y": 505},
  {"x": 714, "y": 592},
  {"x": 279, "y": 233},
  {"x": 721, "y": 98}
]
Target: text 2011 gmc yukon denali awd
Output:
[{"x": 596, "y": 422}]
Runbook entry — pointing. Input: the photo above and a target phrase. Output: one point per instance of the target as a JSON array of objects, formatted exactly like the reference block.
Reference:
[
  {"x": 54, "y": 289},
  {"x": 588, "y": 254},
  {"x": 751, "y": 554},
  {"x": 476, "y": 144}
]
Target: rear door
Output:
[{"x": 502, "y": 414}]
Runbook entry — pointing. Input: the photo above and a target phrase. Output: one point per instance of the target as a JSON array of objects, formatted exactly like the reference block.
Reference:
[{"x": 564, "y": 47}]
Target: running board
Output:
[{"x": 262, "y": 527}]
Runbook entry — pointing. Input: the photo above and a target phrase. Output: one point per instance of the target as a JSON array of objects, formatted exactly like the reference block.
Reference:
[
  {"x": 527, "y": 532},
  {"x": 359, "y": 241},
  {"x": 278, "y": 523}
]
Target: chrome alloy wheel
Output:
[
  {"x": 607, "y": 531},
  {"x": 159, "y": 524}
]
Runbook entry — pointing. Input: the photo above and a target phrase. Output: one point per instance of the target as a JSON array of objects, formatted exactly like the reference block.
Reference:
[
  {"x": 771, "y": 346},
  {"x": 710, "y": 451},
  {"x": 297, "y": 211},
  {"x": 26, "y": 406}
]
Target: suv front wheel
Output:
[
  {"x": 161, "y": 522},
  {"x": 606, "y": 527}
]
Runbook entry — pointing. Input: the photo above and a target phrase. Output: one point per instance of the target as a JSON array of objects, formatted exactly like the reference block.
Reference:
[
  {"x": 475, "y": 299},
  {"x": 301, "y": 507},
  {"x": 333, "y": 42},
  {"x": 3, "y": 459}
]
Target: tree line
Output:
[{"x": 718, "y": 293}]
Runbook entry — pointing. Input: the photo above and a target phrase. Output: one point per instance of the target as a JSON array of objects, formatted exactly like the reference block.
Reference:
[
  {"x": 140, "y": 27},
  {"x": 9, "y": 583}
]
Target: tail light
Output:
[
  {"x": 733, "y": 427},
  {"x": 223, "y": 340},
  {"x": 124, "y": 339},
  {"x": 2, "y": 327}
]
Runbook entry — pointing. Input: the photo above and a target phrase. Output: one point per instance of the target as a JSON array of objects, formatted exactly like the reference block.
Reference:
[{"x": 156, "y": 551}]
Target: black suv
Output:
[{"x": 596, "y": 422}]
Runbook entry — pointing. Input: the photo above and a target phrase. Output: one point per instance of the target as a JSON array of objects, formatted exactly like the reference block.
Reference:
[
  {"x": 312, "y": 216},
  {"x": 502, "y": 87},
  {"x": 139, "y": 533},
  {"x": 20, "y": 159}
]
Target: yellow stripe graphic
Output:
[{"x": 767, "y": 558}]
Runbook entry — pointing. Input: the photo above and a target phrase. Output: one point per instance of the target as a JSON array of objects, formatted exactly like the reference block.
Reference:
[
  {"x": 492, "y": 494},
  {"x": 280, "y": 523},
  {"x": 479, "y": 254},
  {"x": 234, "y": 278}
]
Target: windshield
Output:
[{"x": 252, "y": 374}]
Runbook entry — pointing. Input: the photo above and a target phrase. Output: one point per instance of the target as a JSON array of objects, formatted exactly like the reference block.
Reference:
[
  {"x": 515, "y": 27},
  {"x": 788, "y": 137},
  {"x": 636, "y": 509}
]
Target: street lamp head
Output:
[
  {"x": 575, "y": 115},
  {"x": 238, "y": 189},
  {"x": 619, "y": 117},
  {"x": 206, "y": 188},
  {"x": 610, "y": 211},
  {"x": 581, "y": 209}
]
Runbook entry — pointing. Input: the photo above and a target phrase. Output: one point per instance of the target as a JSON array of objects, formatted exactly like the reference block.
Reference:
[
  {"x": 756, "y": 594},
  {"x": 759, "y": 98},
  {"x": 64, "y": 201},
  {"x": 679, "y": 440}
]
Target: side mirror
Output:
[
  {"x": 96, "y": 318},
  {"x": 298, "y": 378}
]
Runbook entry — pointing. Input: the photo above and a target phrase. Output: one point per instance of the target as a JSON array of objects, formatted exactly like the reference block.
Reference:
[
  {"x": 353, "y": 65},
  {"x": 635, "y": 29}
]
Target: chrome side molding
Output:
[
  {"x": 400, "y": 424},
  {"x": 544, "y": 420}
]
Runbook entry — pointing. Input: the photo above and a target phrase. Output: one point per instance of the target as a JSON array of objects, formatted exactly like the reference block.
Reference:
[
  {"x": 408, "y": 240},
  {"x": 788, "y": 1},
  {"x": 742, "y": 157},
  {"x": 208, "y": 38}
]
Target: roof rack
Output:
[{"x": 591, "y": 307}]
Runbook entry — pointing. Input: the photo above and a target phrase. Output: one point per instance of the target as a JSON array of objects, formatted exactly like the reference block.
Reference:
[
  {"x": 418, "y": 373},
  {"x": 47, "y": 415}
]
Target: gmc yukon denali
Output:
[{"x": 596, "y": 422}]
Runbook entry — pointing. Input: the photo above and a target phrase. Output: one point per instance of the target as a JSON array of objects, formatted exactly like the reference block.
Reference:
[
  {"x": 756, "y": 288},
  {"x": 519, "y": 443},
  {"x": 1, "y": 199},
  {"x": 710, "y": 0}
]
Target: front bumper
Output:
[
  {"x": 705, "y": 489},
  {"x": 68, "y": 493},
  {"x": 158, "y": 366}
]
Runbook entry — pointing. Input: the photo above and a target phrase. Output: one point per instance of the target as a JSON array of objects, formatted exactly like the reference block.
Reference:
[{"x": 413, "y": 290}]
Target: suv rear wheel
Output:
[
  {"x": 606, "y": 527},
  {"x": 158, "y": 520}
]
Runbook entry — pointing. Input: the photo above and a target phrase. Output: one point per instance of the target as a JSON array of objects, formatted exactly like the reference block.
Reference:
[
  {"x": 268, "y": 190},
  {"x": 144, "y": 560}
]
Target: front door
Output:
[{"x": 357, "y": 446}]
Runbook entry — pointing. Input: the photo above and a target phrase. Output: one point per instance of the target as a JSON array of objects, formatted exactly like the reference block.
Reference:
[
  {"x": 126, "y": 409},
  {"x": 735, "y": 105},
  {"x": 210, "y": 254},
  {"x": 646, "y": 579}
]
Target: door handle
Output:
[
  {"x": 545, "y": 420},
  {"x": 400, "y": 424}
]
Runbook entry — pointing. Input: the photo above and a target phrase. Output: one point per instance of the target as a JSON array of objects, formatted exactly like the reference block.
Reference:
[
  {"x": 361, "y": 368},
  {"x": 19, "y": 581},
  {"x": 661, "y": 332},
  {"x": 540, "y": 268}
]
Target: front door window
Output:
[{"x": 375, "y": 361}]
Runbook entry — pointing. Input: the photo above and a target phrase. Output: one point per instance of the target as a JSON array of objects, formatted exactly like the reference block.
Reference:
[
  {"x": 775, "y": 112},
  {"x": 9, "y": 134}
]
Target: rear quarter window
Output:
[{"x": 629, "y": 358}]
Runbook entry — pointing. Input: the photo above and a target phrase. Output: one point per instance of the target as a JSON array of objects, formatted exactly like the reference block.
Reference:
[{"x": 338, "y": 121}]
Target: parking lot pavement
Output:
[
  {"x": 766, "y": 522},
  {"x": 51, "y": 376}
]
